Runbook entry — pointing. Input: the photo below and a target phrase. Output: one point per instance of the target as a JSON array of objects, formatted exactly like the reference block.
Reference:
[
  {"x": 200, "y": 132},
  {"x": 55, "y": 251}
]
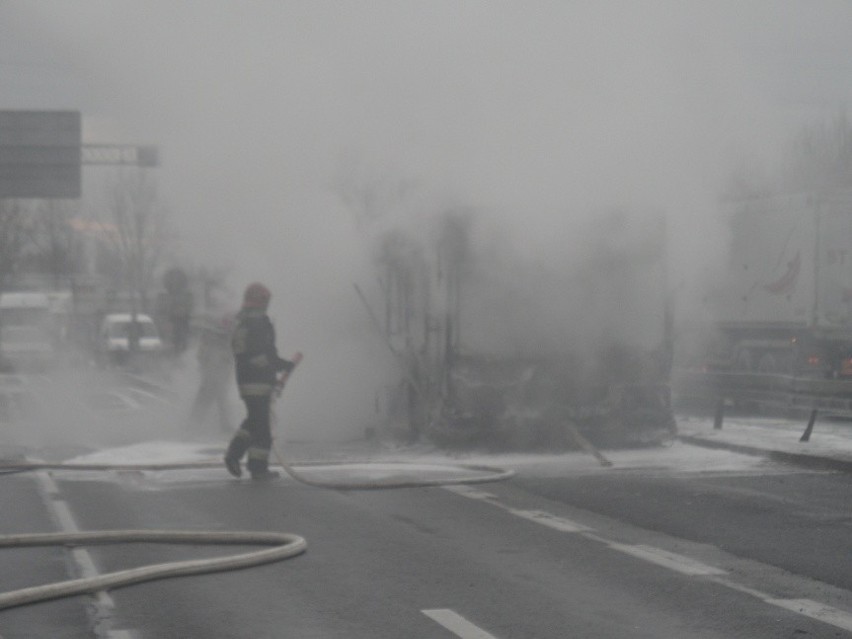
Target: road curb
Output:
[{"x": 808, "y": 460}]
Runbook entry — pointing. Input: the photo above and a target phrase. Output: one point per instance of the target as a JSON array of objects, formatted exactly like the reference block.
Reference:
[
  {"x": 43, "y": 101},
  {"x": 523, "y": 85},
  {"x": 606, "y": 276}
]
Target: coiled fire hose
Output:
[{"x": 285, "y": 545}]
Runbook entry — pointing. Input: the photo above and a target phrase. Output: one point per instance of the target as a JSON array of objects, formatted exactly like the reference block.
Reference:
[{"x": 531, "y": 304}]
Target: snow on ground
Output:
[
  {"x": 829, "y": 436},
  {"x": 363, "y": 461},
  {"x": 156, "y": 452}
]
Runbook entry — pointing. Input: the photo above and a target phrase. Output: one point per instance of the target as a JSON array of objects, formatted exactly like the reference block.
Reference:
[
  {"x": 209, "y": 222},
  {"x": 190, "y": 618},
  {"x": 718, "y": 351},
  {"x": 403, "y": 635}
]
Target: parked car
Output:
[{"x": 123, "y": 333}]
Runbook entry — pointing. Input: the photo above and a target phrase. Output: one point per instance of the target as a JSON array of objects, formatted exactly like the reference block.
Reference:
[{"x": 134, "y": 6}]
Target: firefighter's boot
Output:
[
  {"x": 236, "y": 449},
  {"x": 265, "y": 475},
  {"x": 258, "y": 464},
  {"x": 233, "y": 466}
]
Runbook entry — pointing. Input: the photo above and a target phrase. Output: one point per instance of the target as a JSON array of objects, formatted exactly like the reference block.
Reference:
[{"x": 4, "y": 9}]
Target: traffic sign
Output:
[{"x": 40, "y": 154}]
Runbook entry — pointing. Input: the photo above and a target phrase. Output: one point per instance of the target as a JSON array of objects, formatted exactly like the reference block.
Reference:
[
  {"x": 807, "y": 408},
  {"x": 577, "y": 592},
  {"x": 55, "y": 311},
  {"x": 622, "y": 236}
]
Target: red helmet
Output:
[{"x": 256, "y": 296}]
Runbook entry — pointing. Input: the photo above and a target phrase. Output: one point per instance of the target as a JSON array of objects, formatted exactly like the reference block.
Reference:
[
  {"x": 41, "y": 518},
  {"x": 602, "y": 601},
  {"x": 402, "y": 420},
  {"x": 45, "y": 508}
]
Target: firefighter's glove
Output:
[{"x": 279, "y": 386}]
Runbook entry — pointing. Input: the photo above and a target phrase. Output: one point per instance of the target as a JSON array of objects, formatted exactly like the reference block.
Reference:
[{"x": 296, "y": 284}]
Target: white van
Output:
[{"x": 117, "y": 330}]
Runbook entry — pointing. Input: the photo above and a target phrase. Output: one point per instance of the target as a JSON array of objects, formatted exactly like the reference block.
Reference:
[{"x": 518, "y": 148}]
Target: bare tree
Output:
[
  {"x": 59, "y": 247},
  {"x": 139, "y": 233},
  {"x": 370, "y": 198},
  {"x": 420, "y": 258},
  {"x": 15, "y": 236}
]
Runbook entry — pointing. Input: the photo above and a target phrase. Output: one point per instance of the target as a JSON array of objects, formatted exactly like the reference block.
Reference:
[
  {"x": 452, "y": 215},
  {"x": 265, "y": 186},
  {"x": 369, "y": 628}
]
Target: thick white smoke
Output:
[{"x": 535, "y": 116}]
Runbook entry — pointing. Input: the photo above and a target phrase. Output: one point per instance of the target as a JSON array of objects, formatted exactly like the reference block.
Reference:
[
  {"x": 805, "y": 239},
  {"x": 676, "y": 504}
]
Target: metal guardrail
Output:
[{"x": 784, "y": 392}]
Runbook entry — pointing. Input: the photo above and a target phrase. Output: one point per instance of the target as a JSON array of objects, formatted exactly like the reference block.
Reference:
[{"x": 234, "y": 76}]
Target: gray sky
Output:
[{"x": 534, "y": 112}]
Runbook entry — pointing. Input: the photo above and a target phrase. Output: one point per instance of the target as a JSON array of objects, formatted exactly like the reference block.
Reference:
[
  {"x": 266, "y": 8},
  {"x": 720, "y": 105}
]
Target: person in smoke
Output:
[
  {"x": 257, "y": 366},
  {"x": 215, "y": 363},
  {"x": 175, "y": 308}
]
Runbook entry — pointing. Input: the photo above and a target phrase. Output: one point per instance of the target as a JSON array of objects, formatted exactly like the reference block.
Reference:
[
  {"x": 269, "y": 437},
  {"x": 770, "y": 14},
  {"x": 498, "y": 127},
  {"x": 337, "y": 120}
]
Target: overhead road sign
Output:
[
  {"x": 113, "y": 154},
  {"x": 40, "y": 154}
]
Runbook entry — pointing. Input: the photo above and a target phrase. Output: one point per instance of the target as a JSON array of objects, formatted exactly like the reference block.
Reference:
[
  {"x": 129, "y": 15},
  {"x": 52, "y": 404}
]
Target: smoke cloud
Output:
[{"x": 270, "y": 115}]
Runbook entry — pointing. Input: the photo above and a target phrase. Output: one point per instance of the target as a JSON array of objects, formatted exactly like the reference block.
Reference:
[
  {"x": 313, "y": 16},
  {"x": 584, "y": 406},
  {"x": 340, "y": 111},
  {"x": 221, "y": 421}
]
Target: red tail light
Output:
[{"x": 813, "y": 360}]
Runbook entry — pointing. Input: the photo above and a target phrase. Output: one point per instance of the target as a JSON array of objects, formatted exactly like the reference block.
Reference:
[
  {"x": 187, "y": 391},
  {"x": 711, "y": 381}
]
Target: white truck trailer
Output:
[{"x": 784, "y": 304}]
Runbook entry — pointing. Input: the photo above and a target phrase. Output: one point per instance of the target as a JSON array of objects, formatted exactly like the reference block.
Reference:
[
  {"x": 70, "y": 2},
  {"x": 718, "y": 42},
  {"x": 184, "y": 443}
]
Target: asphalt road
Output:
[
  {"x": 739, "y": 548},
  {"x": 669, "y": 542}
]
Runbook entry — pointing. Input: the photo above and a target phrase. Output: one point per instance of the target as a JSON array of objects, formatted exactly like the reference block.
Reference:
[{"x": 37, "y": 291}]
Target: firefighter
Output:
[
  {"x": 257, "y": 367},
  {"x": 215, "y": 366}
]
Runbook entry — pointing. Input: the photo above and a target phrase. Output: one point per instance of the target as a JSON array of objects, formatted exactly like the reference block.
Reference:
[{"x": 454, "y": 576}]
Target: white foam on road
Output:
[
  {"x": 409, "y": 470},
  {"x": 677, "y": 458},
  {"x": 156, "y": 452}
]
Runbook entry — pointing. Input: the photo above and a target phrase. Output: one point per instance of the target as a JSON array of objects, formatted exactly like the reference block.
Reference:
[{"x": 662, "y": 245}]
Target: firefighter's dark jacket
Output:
[{"x": 256, "y": 357}]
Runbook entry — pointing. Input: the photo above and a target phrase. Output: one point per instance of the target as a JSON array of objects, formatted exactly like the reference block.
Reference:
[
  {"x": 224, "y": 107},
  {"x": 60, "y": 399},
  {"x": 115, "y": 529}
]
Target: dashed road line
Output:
[
  {"x": 806, "y": 607},
  {"x": 546, "y": 519},
  {"x": 81, "y": 561},
  {"x": 128, "y": 401},
  {"x": 671, "y": 561},
  {"x": 457, "y": 624},
  {"x": 538, "y": 516},
  {"x": 815, "y": 610},
  {"x": 678, "y": 563}
]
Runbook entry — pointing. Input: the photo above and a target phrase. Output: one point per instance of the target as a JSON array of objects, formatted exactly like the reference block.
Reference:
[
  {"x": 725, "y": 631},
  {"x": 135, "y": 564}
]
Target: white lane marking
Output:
[
  {"x": 551, "y": 521},
  {"x": 815, "y": 610},
  {"x": 128, "y": 401},
  {"x": 63, "y": 515},
  {"x": 805, "y": 607},
  {"x": 143, "y": 393},
  {"x": 670, "y": 560},
  {"x": 457, "y": 624},
  {"x": 47, "y": 485},
  {"x": 658, "y": 556},
  {"x": 538, "y": 516},
  {"x": 470, "y": 492},
  {"x": 81, "y": 559},
  {"x": 727, "y": 583}
]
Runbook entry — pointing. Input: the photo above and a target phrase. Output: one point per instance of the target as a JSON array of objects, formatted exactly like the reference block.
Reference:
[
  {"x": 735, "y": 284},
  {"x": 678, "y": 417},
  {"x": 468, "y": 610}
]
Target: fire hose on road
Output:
[{"x": 285, "y": 545}]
